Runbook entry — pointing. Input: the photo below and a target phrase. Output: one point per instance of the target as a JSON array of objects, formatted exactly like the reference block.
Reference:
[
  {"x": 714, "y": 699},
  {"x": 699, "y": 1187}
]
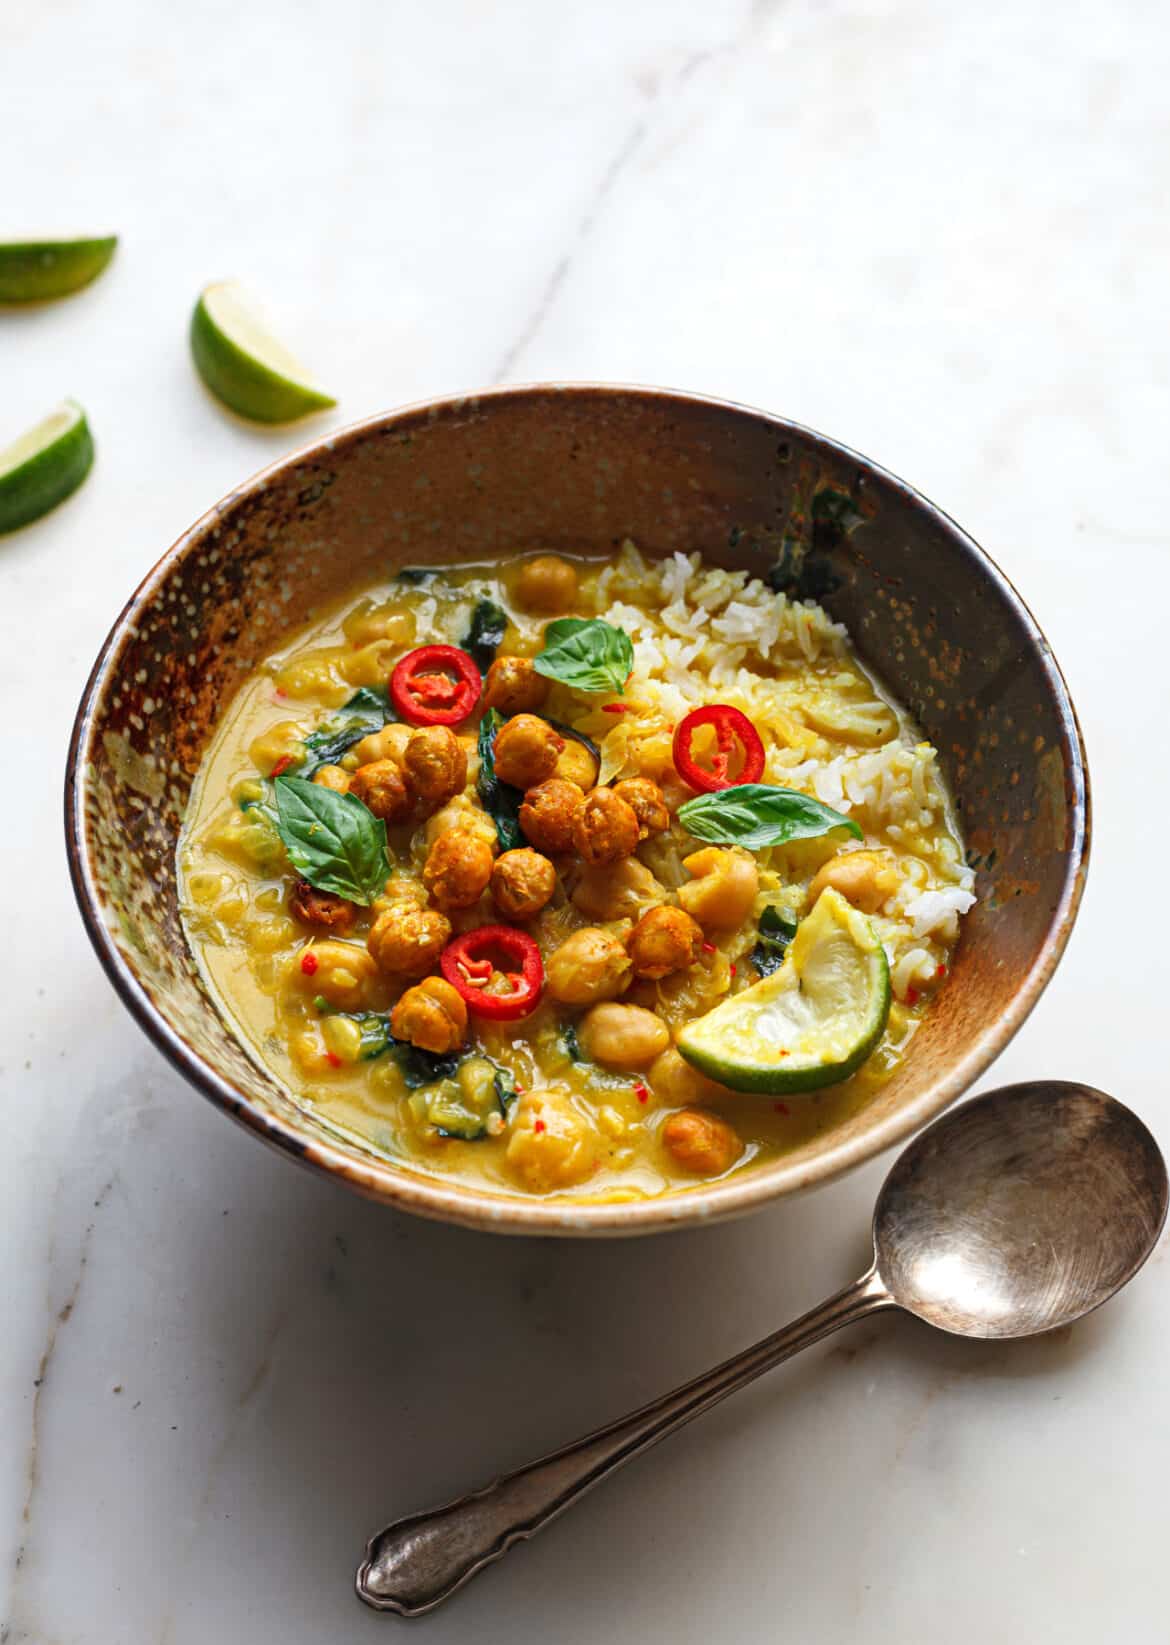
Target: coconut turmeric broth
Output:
[{"x": 473, "y": 857}]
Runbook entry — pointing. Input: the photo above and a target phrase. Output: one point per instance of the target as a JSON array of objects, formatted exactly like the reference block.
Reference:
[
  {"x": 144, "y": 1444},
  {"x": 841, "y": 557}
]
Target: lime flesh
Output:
[
  {"x": 44, "y": 466},
  {"x": 811, "y": 1023},
  {"x": 243, "y": 364},
  {"x": 31, "y": 271}
]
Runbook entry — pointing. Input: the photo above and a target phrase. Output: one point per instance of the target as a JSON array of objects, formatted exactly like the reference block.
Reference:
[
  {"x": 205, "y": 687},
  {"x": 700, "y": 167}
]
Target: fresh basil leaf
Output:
[
  {"x": 486, "y": 634},
  {"x": 756, "y": 815},
  {"x": 500, "y": 800},
  {"x": 586, "y": 653},
  {"x": 332, "y": 840},
  {"x": 776, "y": 932},
  {"x": 367, "y": 711}
]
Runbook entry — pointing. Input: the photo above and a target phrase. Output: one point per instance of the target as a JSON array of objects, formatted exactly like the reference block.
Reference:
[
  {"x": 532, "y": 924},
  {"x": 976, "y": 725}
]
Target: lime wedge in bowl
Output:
[
  {"x": 44, "y": 466},
  {"x": 812, "y": 1022},
  {"x": 243, "y": 364},
  {"x": 31, "y": 271}
]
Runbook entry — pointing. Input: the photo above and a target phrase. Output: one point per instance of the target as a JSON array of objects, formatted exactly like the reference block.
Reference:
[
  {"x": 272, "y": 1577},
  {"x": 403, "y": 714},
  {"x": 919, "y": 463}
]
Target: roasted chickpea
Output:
[
  {"x": 607, "y": 828},
  {"x": 342, "y": 973},
  {"x": 644, "y": 799},
  {"x": 576, "y": 764},
  {"x": 865, "y": 878},
  {"x": 387, "y": 744},
  {"x": 547, "y": 583},
  {"x": 723, "y": 887},
  {"x": 676, "y": 1082},
  {"x": 321, "y": 908},
  {"x": 458, "y": 868},
  {"x": 514, "y": 686},
  {"x": 332, "y": 776},
  {"x": 616, "y": 890},
  {"x": 623, "y": 1036},
  {"x": 549, "y": 815},
  {"x": 664, "y": 940},
  {"x": 463, "y": 812},
  {"x": 590, "y": 965},
  {"x": 382, "y": 788},
  {"x": 526, "y": 751},
  {"x": 522, "y": 882},
  {"x": 430, "y": 1015},
  {"x": 701, "y": 1142},
  {"x": 435, "y": 766},
  {"x": 407, "y": 941}
]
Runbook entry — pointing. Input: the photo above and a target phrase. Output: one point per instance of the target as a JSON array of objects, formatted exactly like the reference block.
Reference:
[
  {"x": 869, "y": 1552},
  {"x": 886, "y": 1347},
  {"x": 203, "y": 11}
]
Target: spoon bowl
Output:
[{"x": 1020, "y": 1211}]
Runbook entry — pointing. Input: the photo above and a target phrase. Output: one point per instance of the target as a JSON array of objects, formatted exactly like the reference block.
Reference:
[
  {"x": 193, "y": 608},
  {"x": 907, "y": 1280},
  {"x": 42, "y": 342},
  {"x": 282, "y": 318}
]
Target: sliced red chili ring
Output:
[
  {"x": 730, "y": 727},
  {"x": 469, "y": 965},
  {"x": 435, "y": 685}
]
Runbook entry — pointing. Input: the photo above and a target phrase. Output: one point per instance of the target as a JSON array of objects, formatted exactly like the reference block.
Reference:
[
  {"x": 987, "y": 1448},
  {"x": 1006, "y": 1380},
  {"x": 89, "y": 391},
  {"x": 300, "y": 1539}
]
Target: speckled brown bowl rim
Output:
[{"x": 451, "y": 1202}]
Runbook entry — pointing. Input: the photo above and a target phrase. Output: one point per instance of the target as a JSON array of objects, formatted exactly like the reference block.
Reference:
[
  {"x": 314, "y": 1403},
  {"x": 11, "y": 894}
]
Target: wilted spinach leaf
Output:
[
  {"x": 367, "y": 711},
  {"x": 500, "y": 800},
  {"x": 776, "y": 932},
  {"x": 486, "y": 634}
]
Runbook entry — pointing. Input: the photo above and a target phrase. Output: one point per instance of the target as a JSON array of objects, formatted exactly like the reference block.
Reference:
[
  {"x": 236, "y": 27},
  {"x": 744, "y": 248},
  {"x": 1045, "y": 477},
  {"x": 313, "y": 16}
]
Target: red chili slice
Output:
[
  {"x": 435, "y": 685},
  {"x": 730, "y": 727},
  {"x": 469, "y": 966}
]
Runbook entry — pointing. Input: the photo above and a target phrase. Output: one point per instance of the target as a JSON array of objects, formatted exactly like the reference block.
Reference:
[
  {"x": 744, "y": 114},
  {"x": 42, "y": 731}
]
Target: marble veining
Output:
[{"x": 935, "y": 232}]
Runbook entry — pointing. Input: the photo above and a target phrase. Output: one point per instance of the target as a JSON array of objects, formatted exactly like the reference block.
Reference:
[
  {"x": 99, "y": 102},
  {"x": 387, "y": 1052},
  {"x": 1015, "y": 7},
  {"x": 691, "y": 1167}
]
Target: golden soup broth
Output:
[{"x": 576, "y": 1129}]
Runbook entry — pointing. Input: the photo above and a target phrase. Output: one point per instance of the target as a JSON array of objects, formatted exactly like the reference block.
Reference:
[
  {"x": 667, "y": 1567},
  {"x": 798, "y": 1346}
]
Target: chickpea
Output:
[
  {"x": 590, "y": 965},
  {"x": 387, "y": 744},
  {"x": 547, "y": 583},
  {"x": 430, "y": 1015},
  {"x": 623, "y": 1036},
  {"x": 675, "y": 1081},
  {"x": 321, "y": 908},
  {"x": 645, "y": 800},
  {"x": 344, "y": 973},
  {"x": 458, "y": 868},
  {"x": 865, "y": 878},
  {"x": 616, "y": 891},
  {"x": 701, "y": 1142},
  {"x": 664, "y": 940},
  {"x": 723, "y": 887},
  {"x": 332, "y": 776},
  {"x": 551, "y": 1145},
  {"x": 576, "y": 764},
  {"x": 514, "y": 686},
  {"x": 607, "y": 828},
  {"x": 407, "y": 941},
  {"x": 549, "y": 815},
  {"x": 465, "y": 813},
  {"x": 378, "y": 622},
  {"x": 382, "y": 788},
  {"x": 401, "y": 891},
  {"x": 522, "y": 882},
  {"x": 526, "y": 751},
  {"x": 435, "y": 766}
]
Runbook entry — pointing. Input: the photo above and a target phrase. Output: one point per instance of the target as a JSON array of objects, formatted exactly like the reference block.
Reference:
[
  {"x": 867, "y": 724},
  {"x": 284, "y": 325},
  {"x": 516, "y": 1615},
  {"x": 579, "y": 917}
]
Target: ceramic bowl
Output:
[{"x": 580, "y": 467}]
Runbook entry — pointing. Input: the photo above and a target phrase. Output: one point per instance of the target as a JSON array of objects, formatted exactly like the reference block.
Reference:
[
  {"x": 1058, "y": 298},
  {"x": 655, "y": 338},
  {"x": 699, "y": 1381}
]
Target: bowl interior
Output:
[{"x": 581, "y": 468}]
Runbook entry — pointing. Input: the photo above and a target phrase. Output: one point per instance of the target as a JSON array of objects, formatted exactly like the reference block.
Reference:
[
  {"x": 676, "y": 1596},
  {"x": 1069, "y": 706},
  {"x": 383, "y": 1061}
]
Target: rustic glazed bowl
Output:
[{"x": 580, "y": 467}]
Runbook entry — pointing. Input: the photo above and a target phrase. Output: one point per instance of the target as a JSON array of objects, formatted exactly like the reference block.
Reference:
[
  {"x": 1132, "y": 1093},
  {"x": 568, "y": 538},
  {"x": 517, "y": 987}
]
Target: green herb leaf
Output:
[
  {"x": 505, "y": 1086},
  {"x": 571, "y": 1043},
  {"x": 776, "y": 932},
  {"x": 756, "y": 815},
  {"x": 419, "y": 1067},
  {"x": 500, "y": 800},
  {"x": 367, "y": 711},
  {"x": 486, "y": 634},
  {"x": 332, "y": 840},
  {"x": 586, "y": 653}
]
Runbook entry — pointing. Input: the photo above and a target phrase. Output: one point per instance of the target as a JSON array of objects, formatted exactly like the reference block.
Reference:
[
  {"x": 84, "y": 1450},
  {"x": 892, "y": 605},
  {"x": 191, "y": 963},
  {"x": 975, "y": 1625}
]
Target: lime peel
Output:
[
  {"x": 44, "y": 466},
  {"x": 813, "y": 1022},
  {"x": 244, "y": 365},
  {"x": 33, "y": 271}
]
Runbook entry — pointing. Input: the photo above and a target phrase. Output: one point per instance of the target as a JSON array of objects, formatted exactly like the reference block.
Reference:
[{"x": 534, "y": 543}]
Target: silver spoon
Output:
[{"x": 1018, "y": 1212}]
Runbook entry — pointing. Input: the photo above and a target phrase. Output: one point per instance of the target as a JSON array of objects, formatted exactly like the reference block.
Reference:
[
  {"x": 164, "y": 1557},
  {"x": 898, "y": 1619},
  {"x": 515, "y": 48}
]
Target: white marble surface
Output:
[{"x": 936, "y": 231}]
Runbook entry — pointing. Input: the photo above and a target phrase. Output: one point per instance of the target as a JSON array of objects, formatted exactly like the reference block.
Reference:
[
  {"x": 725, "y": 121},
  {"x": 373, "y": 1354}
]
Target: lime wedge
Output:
[
  {"x": 812, "y": 1022},
  {"x": 44, "y": 466},
  {"x": 244, "y": 366},
  {"x": 33, "y": 270}
]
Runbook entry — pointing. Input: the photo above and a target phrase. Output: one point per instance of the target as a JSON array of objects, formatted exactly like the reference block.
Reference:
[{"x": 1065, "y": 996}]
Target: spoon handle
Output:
[{"x": 416, "y": 1563}]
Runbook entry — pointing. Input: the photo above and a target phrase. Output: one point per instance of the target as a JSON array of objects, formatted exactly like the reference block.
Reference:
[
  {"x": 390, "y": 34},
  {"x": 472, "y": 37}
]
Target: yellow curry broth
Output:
[{"x": 576, "y": 1128}]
